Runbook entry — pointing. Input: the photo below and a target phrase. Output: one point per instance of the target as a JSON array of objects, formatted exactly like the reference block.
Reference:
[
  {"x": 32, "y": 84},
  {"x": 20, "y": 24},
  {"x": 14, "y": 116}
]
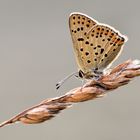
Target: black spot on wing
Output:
[
  {"x": 81, "y": 49},
  {"x": 86, "y": 42},
  {"x": 86, "y": 53},
  {"x": 99, "y": 46},
  {"x": 88, "y": 61},
  {"x": 80, "y": 39},
  {"x": 102, "y": 50}
]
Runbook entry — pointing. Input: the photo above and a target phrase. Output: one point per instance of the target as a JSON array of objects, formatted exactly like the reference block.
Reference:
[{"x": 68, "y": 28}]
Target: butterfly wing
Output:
[
  {"x": 107, "y": 45},
  {"x": 80, "y": 25}
]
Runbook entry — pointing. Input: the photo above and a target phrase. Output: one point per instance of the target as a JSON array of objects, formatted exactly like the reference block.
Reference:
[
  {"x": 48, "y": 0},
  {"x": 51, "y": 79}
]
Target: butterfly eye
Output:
[{"x": 81, "y": 74}]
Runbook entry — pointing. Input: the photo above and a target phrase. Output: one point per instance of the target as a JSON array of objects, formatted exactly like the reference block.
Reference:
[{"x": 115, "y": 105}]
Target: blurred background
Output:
[{"x": 36, "y": 52}]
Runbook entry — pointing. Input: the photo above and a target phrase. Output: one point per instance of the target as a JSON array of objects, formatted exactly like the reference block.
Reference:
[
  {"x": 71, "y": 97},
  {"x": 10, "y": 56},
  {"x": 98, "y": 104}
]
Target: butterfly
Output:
[{"x": 96, "y": 45}]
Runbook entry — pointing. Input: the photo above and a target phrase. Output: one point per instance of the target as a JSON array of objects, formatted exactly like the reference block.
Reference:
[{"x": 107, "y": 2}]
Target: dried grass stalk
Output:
[{"x": 47, "y": 109}]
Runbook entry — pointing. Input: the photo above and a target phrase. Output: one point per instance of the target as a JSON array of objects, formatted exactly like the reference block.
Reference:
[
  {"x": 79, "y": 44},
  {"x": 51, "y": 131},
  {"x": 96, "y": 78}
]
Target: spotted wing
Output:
[
  {"x": 107, "y": 45},
  {"x": 80, "y": 25}
]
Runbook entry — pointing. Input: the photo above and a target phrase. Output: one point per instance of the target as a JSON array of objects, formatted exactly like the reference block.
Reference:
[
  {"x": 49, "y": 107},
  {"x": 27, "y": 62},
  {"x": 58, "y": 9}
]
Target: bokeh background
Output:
[{"x": 36, "y": 52}]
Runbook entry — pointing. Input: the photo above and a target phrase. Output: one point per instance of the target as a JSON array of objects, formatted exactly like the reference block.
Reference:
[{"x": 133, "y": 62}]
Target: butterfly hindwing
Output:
[{"x": 107, "y": 43}]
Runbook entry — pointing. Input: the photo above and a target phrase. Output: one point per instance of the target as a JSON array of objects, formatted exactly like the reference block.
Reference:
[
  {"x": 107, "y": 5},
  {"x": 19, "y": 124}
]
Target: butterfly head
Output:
[{"x": 94, "y": 74}]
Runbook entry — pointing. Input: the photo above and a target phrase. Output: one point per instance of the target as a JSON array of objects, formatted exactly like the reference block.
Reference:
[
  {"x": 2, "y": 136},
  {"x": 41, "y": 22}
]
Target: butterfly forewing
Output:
[
  {"x": 80, "y": 25},
  {"x": 95, "y": 45}
]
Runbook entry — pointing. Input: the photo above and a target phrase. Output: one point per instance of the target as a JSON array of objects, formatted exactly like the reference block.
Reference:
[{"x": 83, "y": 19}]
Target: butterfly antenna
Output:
[{"x": 59, "y": 84}]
